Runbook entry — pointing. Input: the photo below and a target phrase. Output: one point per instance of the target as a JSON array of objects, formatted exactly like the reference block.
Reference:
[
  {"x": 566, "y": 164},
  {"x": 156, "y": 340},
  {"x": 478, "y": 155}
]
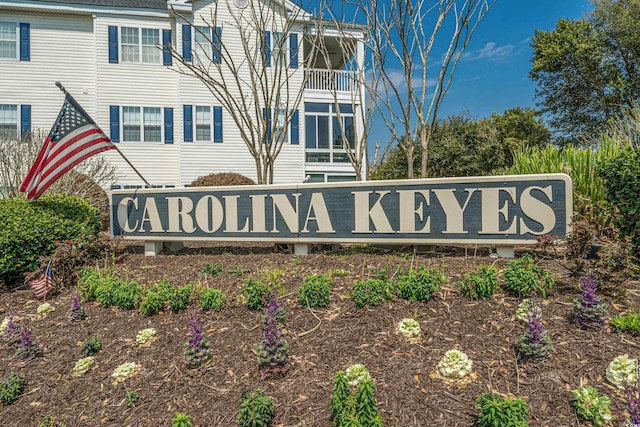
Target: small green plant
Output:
[
  {"x": 524, "y": 276},
  {"x": 622, "y": 370},
  {"x": 90, "y": 279},
  {"x": 237, "y": 271},
  {"x": 126, "y": 294},
  {"x": 338, "y": 272},
  {"x": 91, "y": 345},
  {"x": 45, "y": 308},
  {"x": 179, "y": 298},
  {"x": 212, "y": 270},
  {"x": 315, "y": 290},
  {"x": 257, "y": 294},
  {"x": 153, "y": 298},
  {"x": 125, "y": 371},
  {"x": 83, "y": 365},
  {"x": 629, "y": 322},
  {"x": 455, "y": 367},
  {"x": 524, "y": 310},
  {"x": 181, "y": 420},
  {"x": 497, "y": 410},
  {"x": 212, "y": 299},
  {"x": 273, "y": 278},
  {"x": 371, "y": 292},
  {"x": 592, "y": 407},
  {"x": 256, "y": 409},
  {"x": 145, "y": 336},
  {"x": 12, "y": 388},
  {"x": 131, "y": 398},
  {"x": 419, "y": 285},
  {"x": 588, "y": 308},
  {"x": 50, "y": 421},
  {"x": 353, "y": 400},
  {"x": 76, "y": 309},
  {"x": 27, "y": 348},
  {"x": 480, "y": 284},
  {"x": 410, "y": 329}
]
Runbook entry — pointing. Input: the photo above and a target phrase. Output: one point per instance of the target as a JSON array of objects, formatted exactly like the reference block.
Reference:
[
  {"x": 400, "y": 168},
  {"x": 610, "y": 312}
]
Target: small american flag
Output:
[
  {"x": 73, "y": 138},
  {"x": 42, "y": 286}
]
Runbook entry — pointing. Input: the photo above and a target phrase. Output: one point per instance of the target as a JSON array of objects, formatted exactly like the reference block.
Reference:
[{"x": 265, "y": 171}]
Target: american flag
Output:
[
  {"x": 42, "y": 286},
  {"x": 73, "y": 138}
]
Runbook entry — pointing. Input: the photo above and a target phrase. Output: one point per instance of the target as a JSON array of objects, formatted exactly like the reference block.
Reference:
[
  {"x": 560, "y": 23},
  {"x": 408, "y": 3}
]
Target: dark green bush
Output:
[
  {"x": 212, "y": 299},
  {"x": 504, "y": 412},
  {"x": 480, "y": 284},
  {"x": 92, "y": 345},
  {"x": 222, "y": 179},
  {"x": 420, "y": 284},
  {"x": 90, "y": 279},
  {"x": 152, "y": 298},
  {"x": 256, "y": 409},
  {"x": 12, "y": 388},
  {"x": 621, "y": 175},
  {"x": 372, "y": 292},
  {"x": 315, "y": 290},
  {"x": 257, "y": 294},
  {"x": 114, "y": 291},
  {"x": 179, "y": 298},
  {"x": 524, "y": 276},
  {"x": 30, "y": 228}
]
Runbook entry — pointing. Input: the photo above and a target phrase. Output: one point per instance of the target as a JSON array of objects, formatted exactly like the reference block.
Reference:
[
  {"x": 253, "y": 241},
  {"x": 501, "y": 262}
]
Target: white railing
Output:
[{"x": 330, "y": 80}]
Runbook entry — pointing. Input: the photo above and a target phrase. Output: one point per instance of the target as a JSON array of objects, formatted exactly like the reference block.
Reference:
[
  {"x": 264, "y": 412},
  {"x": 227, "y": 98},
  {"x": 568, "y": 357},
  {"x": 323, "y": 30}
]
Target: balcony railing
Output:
[{"x": 331, "y": 80}]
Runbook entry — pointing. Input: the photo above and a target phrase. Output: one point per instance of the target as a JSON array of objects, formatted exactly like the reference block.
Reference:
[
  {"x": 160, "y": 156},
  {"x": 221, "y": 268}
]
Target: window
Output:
[
  {"x": 138, "y": 122},
  {"x": 280, "y": 126},
  {"x": 140, "y": 45},
  {"x": 8, "y": 119},
  {"x": 324, "y": 135},
  {"x": 201, "y": 40},
  {"x": 8, "y": 40},
  {"x": 278, "y": 49},
  {"x": 203, "y": 123}
]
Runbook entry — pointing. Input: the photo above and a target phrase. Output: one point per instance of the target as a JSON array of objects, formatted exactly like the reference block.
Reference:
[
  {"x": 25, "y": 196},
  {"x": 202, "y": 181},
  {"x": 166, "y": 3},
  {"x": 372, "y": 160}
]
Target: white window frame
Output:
[
  {"x": 196, "y": 123},
  {"x": 202, "y": 50},
  {"x": 276, "y": 51},
  {"x": 141, "y": 46},
  {"x": 17, "y": 123},
  {"x": 285, "y": 126},
  {"x": 331, "y": 114},
  {"x": 17, "y": 41},
  {"x": 142, "y": 124}
]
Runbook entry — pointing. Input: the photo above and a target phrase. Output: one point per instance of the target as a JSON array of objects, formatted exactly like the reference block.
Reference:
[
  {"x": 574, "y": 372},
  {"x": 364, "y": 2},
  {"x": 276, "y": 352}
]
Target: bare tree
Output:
[
  {"x": 261, "y": 84},
  {"x": 402, "y": 36}
]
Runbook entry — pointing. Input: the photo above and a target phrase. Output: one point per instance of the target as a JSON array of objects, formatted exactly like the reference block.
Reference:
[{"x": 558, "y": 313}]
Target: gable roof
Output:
[{"x": 137, "y": 4}]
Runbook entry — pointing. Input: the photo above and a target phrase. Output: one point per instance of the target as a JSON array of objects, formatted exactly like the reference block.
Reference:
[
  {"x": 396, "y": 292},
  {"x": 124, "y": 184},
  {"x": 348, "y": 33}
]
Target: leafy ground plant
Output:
[
  {"x": 125, "y": 371},
  {"x": 480, "y": 284},
  {"x": 83, "y": 365},
  {"x": 592, "y": 407},
  {"x": 50, "y": 421},
  {"x": 622, "y": 370},
  {"x": 197, "y": 350},
  {"x": 353, "y": 400},
  {"x": 212, "y": 299},
  {"x": 315, "y": 291},
  {"x": 629, "y": 322},
  {"x": 524, "y": 310},
  {"x": 28, "y": 348},
  {"x": 256, "y": 409},
  {"x": 181, "y": 419},
  {"x": 146, "y": 336},
  {"x": 76, "y": 309},
  {"x": 257, "y": 294},
  {"x": 372, "y": 292},
  {"x": 212, "y": 270},
  {"x": 535, "y": 344},
  {"x": 632, "y": 393},
  {"x": 409, "y": 328},
  {"x": 179, "y": 298},
  {"x": 524, "y": 277},
  {"x": 455, "y": 367},
  {"x": 419, "y": 285},
  {"x": 497, "y": 410},
  {"x": 131, "y": 398},
  {"x": 12, "y": 388},
  {"x": 92, "y": 345},
  {"x": 588, "y": 309},
  {"x": 273, "y": 351}
]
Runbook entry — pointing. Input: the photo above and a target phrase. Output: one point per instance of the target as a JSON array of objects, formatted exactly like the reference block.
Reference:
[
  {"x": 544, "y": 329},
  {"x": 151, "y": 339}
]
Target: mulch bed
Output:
[{"x": 322, "y": 341}]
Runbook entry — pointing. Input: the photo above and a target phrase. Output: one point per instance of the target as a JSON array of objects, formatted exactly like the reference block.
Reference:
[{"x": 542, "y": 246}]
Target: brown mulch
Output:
[{"x": 322, "y": 341}]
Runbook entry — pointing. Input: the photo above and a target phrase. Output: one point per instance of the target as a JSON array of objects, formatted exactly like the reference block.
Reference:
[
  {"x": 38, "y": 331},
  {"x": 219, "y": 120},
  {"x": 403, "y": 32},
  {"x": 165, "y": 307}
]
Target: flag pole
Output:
[{"x": 62, "y": 88}]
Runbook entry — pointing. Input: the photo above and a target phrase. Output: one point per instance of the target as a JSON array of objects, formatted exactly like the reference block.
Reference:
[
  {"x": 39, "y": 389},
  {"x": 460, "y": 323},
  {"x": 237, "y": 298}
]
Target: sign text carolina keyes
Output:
[{"x": 492, "y": 210}]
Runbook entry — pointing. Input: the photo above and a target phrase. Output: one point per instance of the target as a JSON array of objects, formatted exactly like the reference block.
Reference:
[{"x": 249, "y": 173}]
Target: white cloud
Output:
[
  {"x": 397, "y": 78},
  {"x": 492, "y": 51}
]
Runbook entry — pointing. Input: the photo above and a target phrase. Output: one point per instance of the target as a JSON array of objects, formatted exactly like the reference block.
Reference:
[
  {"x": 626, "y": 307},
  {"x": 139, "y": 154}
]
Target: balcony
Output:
[{"x": 331, "y": 80}]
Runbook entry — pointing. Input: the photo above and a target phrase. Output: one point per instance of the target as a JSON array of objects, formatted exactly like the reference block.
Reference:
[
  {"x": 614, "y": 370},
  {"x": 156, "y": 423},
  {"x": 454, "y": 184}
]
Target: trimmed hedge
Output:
[
  {"x": 222, "y": 179},
  {"x": 29, "y": 228}
]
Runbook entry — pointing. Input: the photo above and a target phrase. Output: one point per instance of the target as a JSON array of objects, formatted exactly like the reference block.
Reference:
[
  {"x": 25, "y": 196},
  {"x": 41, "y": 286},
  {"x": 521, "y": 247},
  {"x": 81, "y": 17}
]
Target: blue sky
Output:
[{"x": 494, "y": 74}]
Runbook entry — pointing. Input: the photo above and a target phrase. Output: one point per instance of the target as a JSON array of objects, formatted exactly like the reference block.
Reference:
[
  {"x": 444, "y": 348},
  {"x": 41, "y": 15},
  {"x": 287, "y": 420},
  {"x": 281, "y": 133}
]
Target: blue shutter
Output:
[
  {"x": 113, "y": 44},
  {"x": 186, "y": 42},
  {"x": 295, "y": 128},
  {"x": 188, "y": 123},
  {"x": 25, "y": 41},
  {"x": 266, "y": 48},
  {"x": 293, "y": 50},
  {"x": 217, "y": 124},
  {"x": 266, "y": 114},
  {"x": 25, "y": 118},
  {"x": 216, "y": 39},
  {"x": 168, "y": 125},
  {"x": 114, "y": 123},
  {"x": 166, "y": 49}
]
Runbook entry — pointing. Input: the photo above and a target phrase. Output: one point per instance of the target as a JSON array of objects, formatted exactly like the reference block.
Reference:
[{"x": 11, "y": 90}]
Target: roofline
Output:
[{"x": 82, "y": 9}]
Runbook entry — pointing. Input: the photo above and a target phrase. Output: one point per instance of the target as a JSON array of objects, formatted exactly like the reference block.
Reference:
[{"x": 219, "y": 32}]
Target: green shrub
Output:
[
  {"x": 222, "y": 179},
  {"x": 92, "y": 345},
  {"x": 12, "y": 388},
  {"x": 592, "y": 407},
  {"x": 257, "y": 294},
  {"x": 630, "y": 322},
  {"x": 480, "y": 284},
  {"x": 212, "y": 270},
  {"x": 152, "y": 299},
  {"x": 179, "y": 298},
  {"x": 419, "y": 285},
  {"x": 181, "y": 420},
  {"x": 504, "y": 412},
  {"x": 212, "y": 299},
  {"x": 315, "y": 290},
  {"x": 50, "y": 421},
  {"x": 125, "y": 294},
  {"x": 621, "y": 175},
  {"x": 524, "y": 276},
  {"x": 131, "y": 397},
  {"x": 256, "y": 409},
  {"x": 89, "y": 281},
  {"x": 371, "y": 292},
  {"x": 353, "y": 401},
  {"x": 30, "y": 228}
]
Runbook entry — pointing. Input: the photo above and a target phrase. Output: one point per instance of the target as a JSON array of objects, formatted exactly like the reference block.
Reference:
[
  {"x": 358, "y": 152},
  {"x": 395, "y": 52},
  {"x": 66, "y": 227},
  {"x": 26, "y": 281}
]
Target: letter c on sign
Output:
[{"x": 123, "y": 214}]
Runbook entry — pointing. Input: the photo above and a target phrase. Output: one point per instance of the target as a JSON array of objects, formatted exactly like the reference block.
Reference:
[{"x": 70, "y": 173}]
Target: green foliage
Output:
[
  {"x": 353, "y": 404},
  {"x": 592, "y": 407},
  {"x": 630, "y": 322},
  {"x": 153, "y": 298},
  {"x": 480, "y": 284},
  {"x": 503, "y": 412},
  {"x": 12, "y": 388},
  {"x": 273, "y": 278},
  {"x": 372, "y": 292},
  {"x": 30, "y": 228},
  {"x": 179, "y": 298},
  {"x": 578, "y": 242},
  {"x": 524, "y": 276},
  {"x": 257, "y": 294},
  {"x": 115, "y": 291},
  {"x": 181, "y": 420},
  {"x": 621, "y": 176},
  {"x": 256, "y": 409},
  {"x": 92, "y": 345},
  {"x": 50, "y": 421},
  {"x": 222, "y": 179},
  {"x": 315, "y": 291},
  {"x": 131, "y": 398},
  {"x": 212, "y": 299},
  {"x": 212, "y": 270},
  {"x": 237, "y": 271},
  {"x": 420, "y": 284}
]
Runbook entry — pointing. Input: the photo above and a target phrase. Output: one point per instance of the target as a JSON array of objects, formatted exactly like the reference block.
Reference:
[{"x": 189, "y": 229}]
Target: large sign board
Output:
[{"x": 497, "y": 210}]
